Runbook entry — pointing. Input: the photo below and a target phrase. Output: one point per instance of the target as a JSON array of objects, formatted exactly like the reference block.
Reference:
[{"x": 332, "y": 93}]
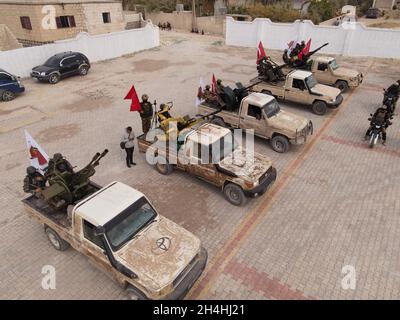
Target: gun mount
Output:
[
  {"x": 68, "y": 187},
  {"x": 269, "y": 70},
  {"x": 301, "y": 61}
]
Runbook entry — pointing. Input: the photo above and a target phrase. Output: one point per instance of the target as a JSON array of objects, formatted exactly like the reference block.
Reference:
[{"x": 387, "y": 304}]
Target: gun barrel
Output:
[{"x": 316, "y": 50}]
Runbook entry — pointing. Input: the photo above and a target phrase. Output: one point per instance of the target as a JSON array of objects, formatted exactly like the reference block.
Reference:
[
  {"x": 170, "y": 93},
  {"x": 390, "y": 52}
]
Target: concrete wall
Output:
[
  {"x": 183, "y": 21},
  {"x": 88, "y": 18},
  {"x": 96, "y": 48},
  {"x": 351, "y": 39}
]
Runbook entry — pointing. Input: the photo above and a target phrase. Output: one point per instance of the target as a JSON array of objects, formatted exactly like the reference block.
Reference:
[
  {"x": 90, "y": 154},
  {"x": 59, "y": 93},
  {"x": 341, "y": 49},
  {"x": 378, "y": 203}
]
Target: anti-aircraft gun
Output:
[
  {"x": 269, "y": 70},
  {"x": 68, "y": 187},
  {"x": 302, "y": 61}
]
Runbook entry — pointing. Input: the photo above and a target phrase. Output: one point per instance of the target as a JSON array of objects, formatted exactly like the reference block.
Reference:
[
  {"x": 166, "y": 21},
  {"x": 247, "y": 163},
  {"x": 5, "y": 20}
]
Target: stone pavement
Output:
[{"x": 335, "y": 202}]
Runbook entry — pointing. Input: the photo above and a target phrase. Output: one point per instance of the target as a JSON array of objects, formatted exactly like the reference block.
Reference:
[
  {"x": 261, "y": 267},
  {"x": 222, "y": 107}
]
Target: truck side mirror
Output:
[{"x": 99, "y": 231}]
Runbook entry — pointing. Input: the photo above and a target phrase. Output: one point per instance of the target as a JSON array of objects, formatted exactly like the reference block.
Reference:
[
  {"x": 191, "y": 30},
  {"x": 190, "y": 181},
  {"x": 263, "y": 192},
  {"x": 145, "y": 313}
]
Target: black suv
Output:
[{"x": 60, "y": 66}]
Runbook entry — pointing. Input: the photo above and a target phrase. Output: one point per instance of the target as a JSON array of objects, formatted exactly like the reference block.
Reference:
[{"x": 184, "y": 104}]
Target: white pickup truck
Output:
[
  {"x": 261, "y": 112},
  {"x": 119, "y": 230},
  {"x": 301, "y": 87}
]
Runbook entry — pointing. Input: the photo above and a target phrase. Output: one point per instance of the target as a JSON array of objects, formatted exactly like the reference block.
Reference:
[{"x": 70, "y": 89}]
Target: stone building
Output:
[{"x": 34, "y": 22}]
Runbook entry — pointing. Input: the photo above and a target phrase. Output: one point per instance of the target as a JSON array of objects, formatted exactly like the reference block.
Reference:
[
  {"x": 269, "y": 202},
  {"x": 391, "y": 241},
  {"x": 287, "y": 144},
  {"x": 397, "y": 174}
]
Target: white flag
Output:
[
  {"x": 200, "y": 91},
  {"x": 38, "y": 157}
]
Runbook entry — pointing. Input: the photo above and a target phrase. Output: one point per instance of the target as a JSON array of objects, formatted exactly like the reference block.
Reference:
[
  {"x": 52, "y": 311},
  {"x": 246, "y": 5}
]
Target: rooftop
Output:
[{"x": 208, "y": 133}]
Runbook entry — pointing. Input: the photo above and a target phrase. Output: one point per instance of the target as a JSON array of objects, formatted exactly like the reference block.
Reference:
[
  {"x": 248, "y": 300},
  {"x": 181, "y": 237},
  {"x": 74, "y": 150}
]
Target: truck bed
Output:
[
  {"x": 279, "y": 84},
  {"x": 40, "y": 210}
]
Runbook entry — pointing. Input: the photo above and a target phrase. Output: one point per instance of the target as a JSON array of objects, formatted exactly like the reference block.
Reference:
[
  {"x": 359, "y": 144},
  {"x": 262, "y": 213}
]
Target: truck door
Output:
[
  {"x": 201, "y": 164},
  {"x": 251, "y": 117},
  {"x": 322, "y": 72},
  {"x": 297, "y": 92},
  {"x": 93, "y": 246}
]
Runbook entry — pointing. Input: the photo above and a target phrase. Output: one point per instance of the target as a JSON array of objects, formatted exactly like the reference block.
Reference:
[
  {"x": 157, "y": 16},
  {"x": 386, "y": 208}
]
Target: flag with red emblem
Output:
[
  {"x": 38, "y": 157},
  {"x": 260, "y": 52}
]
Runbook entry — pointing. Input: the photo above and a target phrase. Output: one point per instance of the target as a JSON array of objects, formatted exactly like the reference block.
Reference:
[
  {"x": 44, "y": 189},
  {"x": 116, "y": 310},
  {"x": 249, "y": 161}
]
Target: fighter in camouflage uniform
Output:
[{"x": 146, "y": 114}]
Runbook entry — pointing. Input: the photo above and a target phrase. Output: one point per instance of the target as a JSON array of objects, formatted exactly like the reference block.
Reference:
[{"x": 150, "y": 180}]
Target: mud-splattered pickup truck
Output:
[
  {"x": 212, "y": 153},
  {"x": 262, "y": 113},
  {"x": 301, "y": 87},
  {"x": 119, "y": 230},
  {"x": 327, "y": 71}
]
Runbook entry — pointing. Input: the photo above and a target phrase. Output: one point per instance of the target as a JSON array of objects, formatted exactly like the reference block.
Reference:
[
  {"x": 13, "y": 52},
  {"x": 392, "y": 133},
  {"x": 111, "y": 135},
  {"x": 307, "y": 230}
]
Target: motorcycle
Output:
[{"x": 375, "y": 132}]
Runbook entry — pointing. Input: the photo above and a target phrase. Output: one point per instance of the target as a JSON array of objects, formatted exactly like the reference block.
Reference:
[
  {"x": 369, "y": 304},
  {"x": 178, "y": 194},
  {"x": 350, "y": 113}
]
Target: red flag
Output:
[
  {"x": 214, "y": 84},
  {"x": 306, "y": 49},
  {"x": 132, "y": 95},
  {"x": 36, "y": 154},
  {"x": 260, "y": 52}
]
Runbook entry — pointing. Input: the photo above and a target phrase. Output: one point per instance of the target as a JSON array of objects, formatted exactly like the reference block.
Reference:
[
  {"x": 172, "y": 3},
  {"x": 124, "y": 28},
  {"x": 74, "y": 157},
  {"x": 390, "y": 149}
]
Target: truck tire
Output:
[
  {"x": 280, "y": 144},
  {"x": 319, "y": 107},
  {"x": 164, "y": 167},
  {"x": 83, "y": 70},
  {"x": 218, "y": 121},
  {"x": 55, "y": 240},
  {"x": 134, "y": 293},
  {"x": 342, "y": 85},
  {"x": 234, "y": 194},
  {"x": 54, "y": 78},
  {"x": 7, "y": 95}
]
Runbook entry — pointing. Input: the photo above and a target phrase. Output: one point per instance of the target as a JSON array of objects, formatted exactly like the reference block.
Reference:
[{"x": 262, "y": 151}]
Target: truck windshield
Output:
[
  {"x": 223, "y": 147},
  {"x": 311, "y": 82},
  {"x": 272, "y": 108},
  {"x": 129, "y": 222},
  {"x": 333, "y": 64}
]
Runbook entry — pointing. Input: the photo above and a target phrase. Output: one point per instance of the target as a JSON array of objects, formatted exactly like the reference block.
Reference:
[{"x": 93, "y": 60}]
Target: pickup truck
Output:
[
  {"x": 327, "y": 71},
  {"x": 262, "y": 113},
  {"x": 120, "y": 231},
  {"x": 10, "y": 86},
  {"x": 300, "y": 86},
  {"x": 211, "y": 153}
]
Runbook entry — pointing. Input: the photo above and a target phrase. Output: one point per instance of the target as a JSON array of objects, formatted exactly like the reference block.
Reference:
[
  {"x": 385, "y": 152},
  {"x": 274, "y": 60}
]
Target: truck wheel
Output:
[
  {"x": 54, "y": 78},
  {"x": 341, "y": 85},
  {"x": 319, "y": 108},
  {"x": 134, "y": 294},
  {"x": 56, "y": 241},
  {"x": 7, "y": 95},
  {"x": 218, "y": 121},
  {"x": 163, "y": 167},
  {"x": 280, "y": 144},
  {"x": 234, "y": 194},
  {"x": 83, "y": 70}
]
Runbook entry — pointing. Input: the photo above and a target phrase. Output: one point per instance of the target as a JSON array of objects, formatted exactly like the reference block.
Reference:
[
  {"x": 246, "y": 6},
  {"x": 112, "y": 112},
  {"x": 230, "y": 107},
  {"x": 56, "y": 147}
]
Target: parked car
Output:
[
  {"x": 60, "y": 66},
  {"x": 373, "y": 13},
  {"x": 10, "y": 86}
]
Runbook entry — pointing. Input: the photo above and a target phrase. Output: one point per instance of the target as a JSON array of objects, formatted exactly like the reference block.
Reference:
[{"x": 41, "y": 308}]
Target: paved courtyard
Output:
[{"x": 335, "y": 203}]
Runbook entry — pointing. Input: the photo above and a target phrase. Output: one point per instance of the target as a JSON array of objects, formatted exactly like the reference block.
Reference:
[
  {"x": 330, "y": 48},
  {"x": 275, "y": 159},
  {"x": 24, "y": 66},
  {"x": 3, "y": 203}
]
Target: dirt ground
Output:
[{"x": 335, "y": 203}]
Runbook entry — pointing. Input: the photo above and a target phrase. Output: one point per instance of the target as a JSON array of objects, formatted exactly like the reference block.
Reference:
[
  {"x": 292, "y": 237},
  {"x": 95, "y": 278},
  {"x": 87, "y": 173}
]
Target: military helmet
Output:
[
  {"x": 57, "y": 156},
  {"x": 145, "y": 97},
  {"x": 162, "y": 105},
  {"x": 219, "y": 81},
  {"x": 208, "y": 87},
  {"x": 398, "y": 82},
  {"x": 30, "y": 170}
]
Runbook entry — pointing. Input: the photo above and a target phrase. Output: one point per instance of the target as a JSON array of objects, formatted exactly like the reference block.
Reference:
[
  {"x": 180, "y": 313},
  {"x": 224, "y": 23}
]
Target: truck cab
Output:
[
  {"x": 327, "y": 71},
  {"x": 10, "y": 86},
  {"x": 121, "y": 232}
]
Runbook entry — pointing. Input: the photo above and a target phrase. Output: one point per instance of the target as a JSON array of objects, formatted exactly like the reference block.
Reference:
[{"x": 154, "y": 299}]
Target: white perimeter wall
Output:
[
  {"x": 96, "y": 48},
  {"x": 350, "y": 39}
]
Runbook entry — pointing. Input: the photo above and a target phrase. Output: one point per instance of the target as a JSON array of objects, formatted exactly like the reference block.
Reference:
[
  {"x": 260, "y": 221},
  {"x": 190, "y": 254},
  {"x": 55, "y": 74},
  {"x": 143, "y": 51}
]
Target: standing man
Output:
[
  {"x": 146, "y": 113},
  {"x": 129, "y": 140}
]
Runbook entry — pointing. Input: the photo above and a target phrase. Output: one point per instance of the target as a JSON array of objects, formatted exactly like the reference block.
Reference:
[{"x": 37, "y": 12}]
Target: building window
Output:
[
  {"x": 26, "y": 23},
  {"x": 65, "y": 22},
  {"x": 106, "y": 17}
]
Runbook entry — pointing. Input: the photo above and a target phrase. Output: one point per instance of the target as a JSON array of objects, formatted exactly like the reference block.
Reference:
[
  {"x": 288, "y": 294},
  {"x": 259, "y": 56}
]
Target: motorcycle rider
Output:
[
  {"x": 394, "y": 92},
  {"x": 381, "y": 117}
]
